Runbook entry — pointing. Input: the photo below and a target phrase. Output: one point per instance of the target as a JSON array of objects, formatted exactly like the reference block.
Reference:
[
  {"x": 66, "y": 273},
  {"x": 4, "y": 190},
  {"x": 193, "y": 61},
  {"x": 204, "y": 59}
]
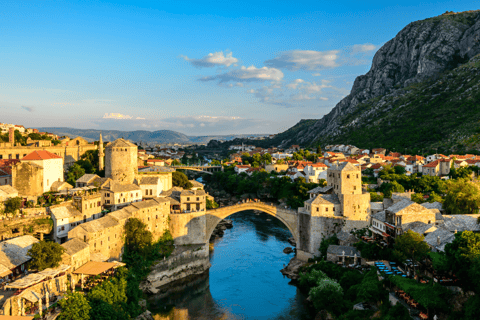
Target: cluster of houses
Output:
[
  {"x": 313, "y": 171},
  {"x": 90, "y": 226}
]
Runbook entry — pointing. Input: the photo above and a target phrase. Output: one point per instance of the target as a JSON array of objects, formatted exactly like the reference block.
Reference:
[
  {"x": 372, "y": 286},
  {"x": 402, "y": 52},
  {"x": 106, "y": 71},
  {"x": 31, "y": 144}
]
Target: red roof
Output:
[
  {"x": 41, "y": 155},
  {"x": 432, "y": 164}
]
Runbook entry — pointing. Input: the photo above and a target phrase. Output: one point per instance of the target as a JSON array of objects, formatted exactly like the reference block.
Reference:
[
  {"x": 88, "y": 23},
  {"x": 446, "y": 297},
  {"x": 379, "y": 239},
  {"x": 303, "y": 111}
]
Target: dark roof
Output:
[{"x": 339, "y": 250}]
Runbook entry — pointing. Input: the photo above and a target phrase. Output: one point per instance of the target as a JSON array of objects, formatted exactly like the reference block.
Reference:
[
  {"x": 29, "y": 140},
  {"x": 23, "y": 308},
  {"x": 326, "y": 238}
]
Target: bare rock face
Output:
[
  {"x": 292, "y": 270},
  {"x": 422, "y": 50}
]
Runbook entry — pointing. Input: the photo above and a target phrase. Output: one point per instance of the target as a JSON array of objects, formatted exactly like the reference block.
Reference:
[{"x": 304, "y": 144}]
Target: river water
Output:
[{"x": 244, "y": 281}]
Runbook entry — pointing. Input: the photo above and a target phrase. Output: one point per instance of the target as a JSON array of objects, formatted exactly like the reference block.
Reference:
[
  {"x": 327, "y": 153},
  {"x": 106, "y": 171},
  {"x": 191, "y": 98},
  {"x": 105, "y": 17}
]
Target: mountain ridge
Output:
[
  {"x": 159, "y": 136},
  {"x": 420, "y": 52}
]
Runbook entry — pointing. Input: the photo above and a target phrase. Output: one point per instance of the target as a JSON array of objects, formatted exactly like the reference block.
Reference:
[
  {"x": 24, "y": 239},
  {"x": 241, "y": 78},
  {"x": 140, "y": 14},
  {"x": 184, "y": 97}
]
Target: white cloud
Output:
[
  {"x": 213, "y": 60},
  {"x": 293, "y": 85},
  {"x": 117, "y": 116},
  {"x": 305, "y": 60},
  {"x": 249, "y": 74},
  {"x": 139, "y": 118},
  {"x": 314, "y": 87},
  {"x": 366, "y": 47},
  {"x": 316, "y": 74},
  {"x": 302, "y": 97}
]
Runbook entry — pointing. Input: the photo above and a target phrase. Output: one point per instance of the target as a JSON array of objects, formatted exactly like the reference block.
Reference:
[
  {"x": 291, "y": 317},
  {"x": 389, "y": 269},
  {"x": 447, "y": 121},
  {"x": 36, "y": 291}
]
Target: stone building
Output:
[
  {"x": 151, "y": 186},
  {"x": 27, "y": 178},
  {"x": 52, "y": 165},
  {"x": 121, "y": 161},
  {"x": 13, "y": 255},
  {"x": 116, "y": 195},
  {"x": 105, "y": 236},
  {"x": 86, "y": 180},
  {"x": 340, "y": 206},
  {"x": 77, "y": 253},
  {"x": 82, "y": 209}
]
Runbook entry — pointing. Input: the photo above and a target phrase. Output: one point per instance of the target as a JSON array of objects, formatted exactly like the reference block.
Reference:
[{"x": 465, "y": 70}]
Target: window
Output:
[
  {"x": 354, "y": 187},
  {"x": 348, "y": 176},
  {"x": 123, "y": 199},
  {"x": 357, "y": 175},
  {"x": 17, "y": 156},
  {"x": 48, "y": 182},
  {"x": 90, "y": 206},
  {"x": 326, "y": 209},
  {"x": 188, "y": 198},
  {"x": 333, "y": 209},
  {"x": 198, "y": 199},
  {"x": 136, "y": 194},
  {"x": 318, "y": 209}
]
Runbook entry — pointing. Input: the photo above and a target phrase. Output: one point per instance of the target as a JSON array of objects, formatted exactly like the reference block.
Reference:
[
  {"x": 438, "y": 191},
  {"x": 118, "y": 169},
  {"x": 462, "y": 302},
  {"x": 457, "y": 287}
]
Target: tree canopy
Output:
[
  {"x": 13, "y": 204},
  {"x": 180, "y": 179},
  {"x": 136, "y": 234},
  {"x": 75, "y": 172},
  {"x": 463, "y": 197},
  {"x": 45, "y": 255},
  {"x": 411, "y": 245},
  {"x": 74, "y": 307}
]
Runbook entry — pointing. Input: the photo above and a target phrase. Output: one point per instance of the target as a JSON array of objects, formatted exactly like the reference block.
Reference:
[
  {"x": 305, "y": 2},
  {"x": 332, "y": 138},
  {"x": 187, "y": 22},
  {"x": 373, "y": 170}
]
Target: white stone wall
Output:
[{"x": 52, "y": 171}]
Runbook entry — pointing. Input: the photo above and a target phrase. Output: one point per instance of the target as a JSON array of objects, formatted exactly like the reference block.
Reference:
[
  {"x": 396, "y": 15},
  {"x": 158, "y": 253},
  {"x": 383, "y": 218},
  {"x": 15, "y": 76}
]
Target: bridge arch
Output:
[{"x": 287, "y": 217}]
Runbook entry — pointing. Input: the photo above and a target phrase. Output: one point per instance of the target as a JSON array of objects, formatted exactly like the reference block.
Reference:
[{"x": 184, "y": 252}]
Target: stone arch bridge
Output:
[
  {"x": 204, "y": 169},
  {"x": 197, "y": 227}
]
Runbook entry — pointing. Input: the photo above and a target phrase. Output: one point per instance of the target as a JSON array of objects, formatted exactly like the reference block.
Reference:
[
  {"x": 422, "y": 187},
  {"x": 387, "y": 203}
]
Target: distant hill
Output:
[{"x": 150, "y": 137}]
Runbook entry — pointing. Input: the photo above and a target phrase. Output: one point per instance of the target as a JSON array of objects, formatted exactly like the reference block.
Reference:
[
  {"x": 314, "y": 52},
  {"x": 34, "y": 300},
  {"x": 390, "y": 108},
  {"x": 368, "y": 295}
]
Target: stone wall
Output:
[
  {"x": 27, "y": 179},
  {"x": 188, "y": 228},
  {"x": 16, "y": 227},
  {"x": 9, "y": 152}
]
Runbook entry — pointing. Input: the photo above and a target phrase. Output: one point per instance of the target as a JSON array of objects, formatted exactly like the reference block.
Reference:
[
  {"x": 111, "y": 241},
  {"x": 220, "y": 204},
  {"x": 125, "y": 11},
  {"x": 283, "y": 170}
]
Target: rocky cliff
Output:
[{"x": 421, "y": 52}]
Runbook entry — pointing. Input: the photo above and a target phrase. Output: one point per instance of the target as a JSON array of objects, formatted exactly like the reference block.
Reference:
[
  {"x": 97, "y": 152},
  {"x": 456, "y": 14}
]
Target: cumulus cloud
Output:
[
  {"x": 117, "y": 116},
  {"x": 294, "y": 84},
  {"x": 216, "y": 59},
  {"x": 360, "y": 48},
  {"x": 305, "y": 60},
  {"x": 314, "y": 87},
  {"x": 29, "y": 109},
  {"x": 249, "y": 74}
]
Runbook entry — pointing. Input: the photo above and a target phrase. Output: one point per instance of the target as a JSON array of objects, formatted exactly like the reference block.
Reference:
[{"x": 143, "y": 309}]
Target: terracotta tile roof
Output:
[
  {"x": 41, "y": 155},
  {"x": 432, "y": 164}
]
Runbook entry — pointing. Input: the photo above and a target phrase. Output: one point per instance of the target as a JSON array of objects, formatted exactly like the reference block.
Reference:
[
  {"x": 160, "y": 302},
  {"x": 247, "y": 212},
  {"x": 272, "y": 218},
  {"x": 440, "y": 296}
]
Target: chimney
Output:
[
  {"x": 438, "y": 240},
  {"x": 11, "y": 135}
]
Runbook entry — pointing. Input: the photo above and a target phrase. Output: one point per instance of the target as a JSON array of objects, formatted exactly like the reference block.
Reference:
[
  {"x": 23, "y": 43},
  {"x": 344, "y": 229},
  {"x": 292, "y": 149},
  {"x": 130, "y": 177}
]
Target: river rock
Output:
[
  {"x": 292, "y": 241},
  {"x": 293, "y": 268},
  {"x": 324, "y": 315},
  {"x": 287, "y": 250}
]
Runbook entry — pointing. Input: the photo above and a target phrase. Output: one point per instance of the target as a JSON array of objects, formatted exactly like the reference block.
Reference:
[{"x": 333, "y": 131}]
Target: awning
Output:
[
  {"x": 385, "y": 234},
  {"x": 51, "y": 273},
  {"x": 94, "y": 268},
  {"x": 26, "y": 282},
  {"x": 30, "y": 296}
]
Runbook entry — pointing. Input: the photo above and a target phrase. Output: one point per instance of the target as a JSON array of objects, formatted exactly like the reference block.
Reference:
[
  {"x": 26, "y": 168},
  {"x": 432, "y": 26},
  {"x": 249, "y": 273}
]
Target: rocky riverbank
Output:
[
  {"x": 219, "y": 230},
  {"x": 188, "y": 260}
]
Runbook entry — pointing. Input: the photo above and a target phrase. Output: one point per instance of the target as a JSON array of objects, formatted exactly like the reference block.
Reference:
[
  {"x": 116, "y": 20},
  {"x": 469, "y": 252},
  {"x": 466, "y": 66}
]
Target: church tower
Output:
[{"x": 100, "y": 154}]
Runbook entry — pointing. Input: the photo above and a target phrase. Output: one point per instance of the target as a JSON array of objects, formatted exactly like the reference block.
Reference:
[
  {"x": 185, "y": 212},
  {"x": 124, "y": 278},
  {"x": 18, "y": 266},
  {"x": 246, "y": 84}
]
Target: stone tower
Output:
[
  {"x": 121, "y": 161},
  {"x": 101, "y": 155}
]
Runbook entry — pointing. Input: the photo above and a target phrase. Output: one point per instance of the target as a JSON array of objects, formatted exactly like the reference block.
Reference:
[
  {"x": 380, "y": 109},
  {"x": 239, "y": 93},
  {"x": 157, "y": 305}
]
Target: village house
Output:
[
  {"x": 115, "y": 195},
  {"x": 86, "y": 180},
  {"x": 315, "y": 172},
  {"x": 13, "y": 256},
  {"x": 241, "y": 168},
  {"x": 7, "y": 192},
  {"x": 151, "y": 186},
  {"x": 440, "y": 167},
  {"x": 77, "y": 253},
  {"x": 276, "y": 167}
]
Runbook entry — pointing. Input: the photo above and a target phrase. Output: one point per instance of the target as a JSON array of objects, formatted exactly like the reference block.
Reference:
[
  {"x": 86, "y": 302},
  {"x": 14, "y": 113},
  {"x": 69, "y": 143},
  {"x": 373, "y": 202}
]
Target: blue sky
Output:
[{"x": 197, "y": 67}]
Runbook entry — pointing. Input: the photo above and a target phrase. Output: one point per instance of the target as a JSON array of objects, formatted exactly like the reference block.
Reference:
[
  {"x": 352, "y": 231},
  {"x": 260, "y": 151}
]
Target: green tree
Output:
[
  {"x": 267, "y": 158},
  {"x": 180, "y": 179},
  {"x": 137, "y": 237},
  {"x": 13, "y": 204},
  {"x": 463, "y": 197},
  {"x": 113, "y": 292},
  {"x": 211, "y": 204},
  {"x": 176, "y": 163},
  {"x": 215, "y": 163},
  {"x": 319, "y": 150},
  {"x": 101, "y": 310},
  {"x": 418, "y": 198},
  {"x": 74, "y": 307},
  {"x": 399, "y": 170},
  {"x": 411, "y": 245},
  {"x": 297, "y": 156},
  {"x": 75, "y": 172},
  {"x": 45, "y": 255}
]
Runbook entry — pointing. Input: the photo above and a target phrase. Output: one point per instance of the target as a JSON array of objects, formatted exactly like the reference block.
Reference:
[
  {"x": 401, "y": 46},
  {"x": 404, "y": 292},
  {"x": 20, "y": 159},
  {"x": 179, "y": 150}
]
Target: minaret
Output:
[{"x": 100, "y": 154}]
